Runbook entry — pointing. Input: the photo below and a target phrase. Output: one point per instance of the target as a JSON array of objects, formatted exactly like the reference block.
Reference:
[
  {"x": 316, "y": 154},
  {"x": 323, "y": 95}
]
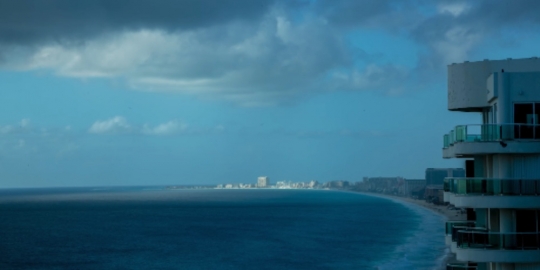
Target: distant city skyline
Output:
[{"x": 207, "y": 92}]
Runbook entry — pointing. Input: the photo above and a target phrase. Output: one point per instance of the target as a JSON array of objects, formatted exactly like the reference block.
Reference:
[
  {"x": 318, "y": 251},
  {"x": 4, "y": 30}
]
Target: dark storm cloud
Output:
[
  {"x": 481, "y": 16},
  {"x": 253, "y": 52},
  {"x": 369, "y": 13},
  {"x": 506, "y": 12},
  {"x": 426, "y": 21},
  {"x": 448, "y": 30},
  {"x": 27, "y": 21},
  {"x": 453, "y": 35},
  {"x": 396, "y": 13}
]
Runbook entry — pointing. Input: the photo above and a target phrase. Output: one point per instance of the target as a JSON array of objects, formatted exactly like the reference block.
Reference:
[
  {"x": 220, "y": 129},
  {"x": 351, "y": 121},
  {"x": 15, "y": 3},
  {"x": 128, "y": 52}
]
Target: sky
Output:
[{"x": 100, "y": 93}]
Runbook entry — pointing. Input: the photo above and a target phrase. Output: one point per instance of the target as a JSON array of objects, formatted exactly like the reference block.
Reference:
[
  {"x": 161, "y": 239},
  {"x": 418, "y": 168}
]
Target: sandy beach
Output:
[
  {"x": 442, "y": 210},
  {"x": 438, "y": 209}
]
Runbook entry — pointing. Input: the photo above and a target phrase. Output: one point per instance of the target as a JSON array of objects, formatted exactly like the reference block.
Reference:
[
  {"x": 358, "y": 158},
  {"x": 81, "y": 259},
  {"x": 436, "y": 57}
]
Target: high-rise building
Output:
[
  {"x": 436, "y": 176},
  {"x": 501, "y": 190},
  {"x": 263, "y": 181},
  {"x": 390, "y": 185},
  {"x": 412, "y": 187}
]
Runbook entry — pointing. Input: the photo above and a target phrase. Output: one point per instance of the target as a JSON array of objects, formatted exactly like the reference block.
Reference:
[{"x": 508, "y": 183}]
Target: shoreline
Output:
[
  {"x": 437, "y": 209},
  {"x": 440, "y": 210}
]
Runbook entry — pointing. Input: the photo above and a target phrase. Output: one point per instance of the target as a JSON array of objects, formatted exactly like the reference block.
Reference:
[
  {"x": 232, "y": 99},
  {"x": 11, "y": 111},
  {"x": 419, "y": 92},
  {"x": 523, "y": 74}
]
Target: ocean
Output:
[{"x": 158, "y": 228}]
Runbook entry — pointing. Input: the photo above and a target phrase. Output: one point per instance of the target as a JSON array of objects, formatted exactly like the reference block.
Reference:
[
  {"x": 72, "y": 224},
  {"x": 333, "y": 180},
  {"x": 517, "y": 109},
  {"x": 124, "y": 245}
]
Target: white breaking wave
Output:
[{"x": 425, "y": 249}]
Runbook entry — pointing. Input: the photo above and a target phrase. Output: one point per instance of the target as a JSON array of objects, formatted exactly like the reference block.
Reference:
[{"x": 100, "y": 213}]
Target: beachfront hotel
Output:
[{"x": 501, "y": 187}]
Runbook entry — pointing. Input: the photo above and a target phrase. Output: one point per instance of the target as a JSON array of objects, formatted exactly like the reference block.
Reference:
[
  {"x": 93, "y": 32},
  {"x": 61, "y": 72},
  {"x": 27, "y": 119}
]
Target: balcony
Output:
[
  {"x": 492, "y": 192},
  {"x": 451, "y": 229},
  {"x": 484, "y": 246},
  {"x": 482, "y": 239},
  {"x": 492, "y": 186},
  {"x": 469, "y": 140},
  {"x": 460, "y": 266}
]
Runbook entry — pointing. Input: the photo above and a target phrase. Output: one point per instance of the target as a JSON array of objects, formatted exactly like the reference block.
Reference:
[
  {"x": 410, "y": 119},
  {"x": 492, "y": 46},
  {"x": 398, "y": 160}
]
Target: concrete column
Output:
[
  {"x": 505, "y": 107},
  {"x": 507, "y": 222},
  {"x": 479, "y": 162},
  {"x": 504, "y": 166},
  {"x": 507, "y": 225},
  {"x": 488, "y": 168},
  {"x": 504, "y": 103},
  {"x": 504, "y": 169},
  {"x": 494, "y": 220}
]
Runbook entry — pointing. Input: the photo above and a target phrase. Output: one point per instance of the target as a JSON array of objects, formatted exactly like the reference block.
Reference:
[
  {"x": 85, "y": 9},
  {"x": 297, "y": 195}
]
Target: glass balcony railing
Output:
[
  {"x": 495, "y": 240},
  {"x": 492, "y": 186},
  {"x": 491, "y": 133},
  {"x": 446, "y": 140},
  {"x": 460, "y": 266},
  {"x": 452, "y": 228}
]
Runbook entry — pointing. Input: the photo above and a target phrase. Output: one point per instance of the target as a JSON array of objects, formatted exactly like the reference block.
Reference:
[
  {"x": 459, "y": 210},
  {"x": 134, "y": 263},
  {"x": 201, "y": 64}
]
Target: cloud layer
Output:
[
  {"x": 171, "y": 127},
  {"x": 116, "y": 124},
  {"x": 36, "y": 21},
  {"x": 22, "y": 127},
  {"x": 119, "y": 125},
  {"x": 251, "y": 53}
]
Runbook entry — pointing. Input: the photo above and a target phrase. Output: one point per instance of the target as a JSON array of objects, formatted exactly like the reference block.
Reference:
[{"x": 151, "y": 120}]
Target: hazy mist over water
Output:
[{"x": 143, "y": 228}]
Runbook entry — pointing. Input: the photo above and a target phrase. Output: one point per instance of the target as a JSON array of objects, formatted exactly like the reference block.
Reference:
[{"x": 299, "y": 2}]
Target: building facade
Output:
[
  {"x": 435, "y": 176},
  {"x": 434, "y": 194},
  {"x": 501, "y": 190},
  {"x": 263, "y": 182},
  {"x": 388, "y": 185},
  {"x": 412, "y": 187}
]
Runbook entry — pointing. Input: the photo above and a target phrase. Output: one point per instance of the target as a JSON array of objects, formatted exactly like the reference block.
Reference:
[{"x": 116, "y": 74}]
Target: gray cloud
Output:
[
  {"x": 22, "y": 127},
  {"x": 386, "y": 14},
  {"x": 252, "y": 53},
  {"x": 501, "y": 13},
  {"x": 264, "y": 63},
  {"x": 118, "y": 125},
  {"x": 30, "y": 21},
  {"x": 461, "y": 26},
  {"x": 450, "y": 30}
]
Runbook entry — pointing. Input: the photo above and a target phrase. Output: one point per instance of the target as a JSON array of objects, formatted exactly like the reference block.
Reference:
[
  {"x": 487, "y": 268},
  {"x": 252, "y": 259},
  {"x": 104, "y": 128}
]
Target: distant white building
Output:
[{"x": 263, "y": 181}]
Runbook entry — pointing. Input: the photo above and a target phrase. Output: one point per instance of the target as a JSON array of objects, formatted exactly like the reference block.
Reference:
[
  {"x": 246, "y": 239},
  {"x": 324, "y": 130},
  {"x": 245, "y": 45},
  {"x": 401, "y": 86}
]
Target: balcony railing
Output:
[
  {"x": 452, "y": 227},
  {"x": 491, "y": 133},
  {"x": 459, "y": 266},
  {"x": 494, "y": 240},
  {"x": 492, "y": 186}
]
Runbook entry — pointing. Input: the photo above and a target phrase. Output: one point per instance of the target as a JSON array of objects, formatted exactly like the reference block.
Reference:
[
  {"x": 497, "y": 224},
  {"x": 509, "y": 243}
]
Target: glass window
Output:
[
  {"x": 525, "y": 221},
  {"x": 523, "y": 114},
  {"x": 521, "y": 111}
]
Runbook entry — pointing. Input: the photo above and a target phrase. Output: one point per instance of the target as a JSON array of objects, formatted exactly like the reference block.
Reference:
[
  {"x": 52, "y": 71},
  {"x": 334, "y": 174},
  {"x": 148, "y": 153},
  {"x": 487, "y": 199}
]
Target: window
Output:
[{"x": 526, "y": 114}]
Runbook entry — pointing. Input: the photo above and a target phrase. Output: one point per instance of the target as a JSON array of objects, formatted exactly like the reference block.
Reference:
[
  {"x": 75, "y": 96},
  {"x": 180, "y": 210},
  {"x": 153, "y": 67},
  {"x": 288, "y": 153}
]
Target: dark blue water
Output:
[{"x": 142, "y": 228}]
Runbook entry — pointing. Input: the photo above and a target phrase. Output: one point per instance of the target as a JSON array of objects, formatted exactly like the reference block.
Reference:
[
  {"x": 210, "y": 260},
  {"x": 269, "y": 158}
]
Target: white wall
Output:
[{"x": 467, "y": 88}]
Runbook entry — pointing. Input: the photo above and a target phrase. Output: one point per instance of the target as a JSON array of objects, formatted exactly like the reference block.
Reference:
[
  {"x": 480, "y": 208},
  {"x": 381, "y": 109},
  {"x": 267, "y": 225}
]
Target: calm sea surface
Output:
[{"x": 155, "y": 228}]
